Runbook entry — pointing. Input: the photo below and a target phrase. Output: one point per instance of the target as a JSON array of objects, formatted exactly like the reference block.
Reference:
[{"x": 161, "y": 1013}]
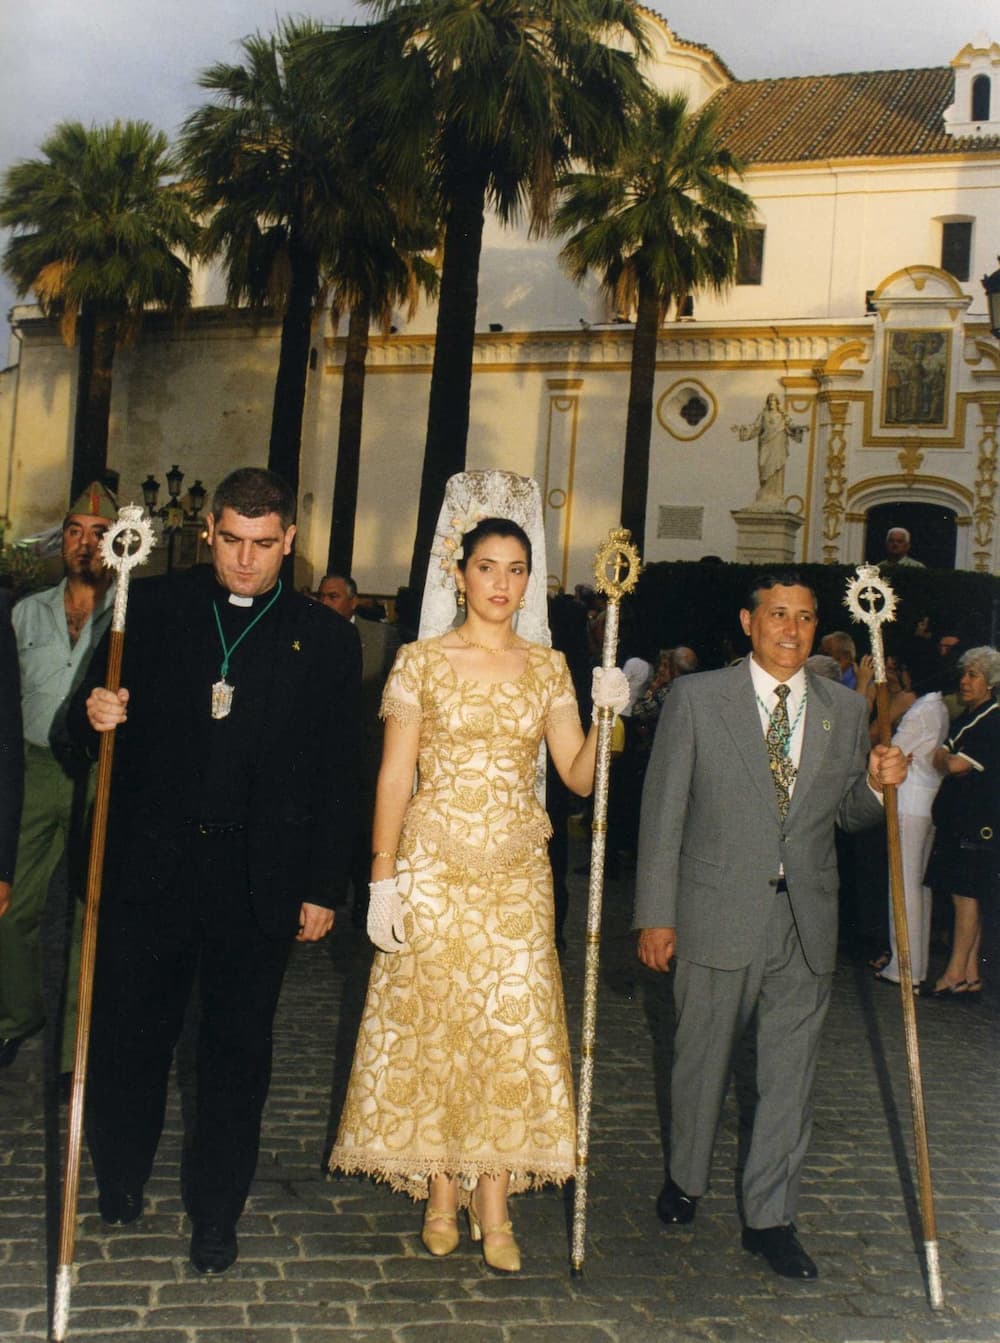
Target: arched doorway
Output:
[{"x": 932, "y": 531}]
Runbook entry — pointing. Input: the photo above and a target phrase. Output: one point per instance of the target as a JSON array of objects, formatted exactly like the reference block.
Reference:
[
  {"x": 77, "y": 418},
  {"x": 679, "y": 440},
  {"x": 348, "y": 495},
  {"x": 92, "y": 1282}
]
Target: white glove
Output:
[
  {"x": 385, "y": 915},
  {"x": 609, "y": 689}
]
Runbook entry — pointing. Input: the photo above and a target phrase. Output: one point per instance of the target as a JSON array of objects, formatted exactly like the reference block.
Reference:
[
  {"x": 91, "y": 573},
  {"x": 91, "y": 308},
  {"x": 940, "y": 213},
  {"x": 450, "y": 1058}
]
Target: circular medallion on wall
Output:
[{"x": 686, "y": 409}]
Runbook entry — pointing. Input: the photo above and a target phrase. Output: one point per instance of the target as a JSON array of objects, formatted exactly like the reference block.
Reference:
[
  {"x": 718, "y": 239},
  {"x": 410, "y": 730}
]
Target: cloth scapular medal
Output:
[
  {"x": 778, "y": 736},
  {"x": 222, "y": 691}
]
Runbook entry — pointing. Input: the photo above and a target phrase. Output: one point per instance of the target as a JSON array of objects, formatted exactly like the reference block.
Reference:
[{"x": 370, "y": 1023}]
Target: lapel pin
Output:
[
  {"x": 296, "y": 645},
  {"x": 826, "y": 725}
]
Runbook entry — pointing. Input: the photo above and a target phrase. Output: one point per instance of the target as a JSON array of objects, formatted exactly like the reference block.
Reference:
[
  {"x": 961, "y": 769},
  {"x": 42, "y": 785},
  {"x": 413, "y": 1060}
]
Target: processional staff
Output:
[
  {"x": 616, "y": 572},
  {"x": 872, "y": 602},
  {"x": 125, "y": 544}
]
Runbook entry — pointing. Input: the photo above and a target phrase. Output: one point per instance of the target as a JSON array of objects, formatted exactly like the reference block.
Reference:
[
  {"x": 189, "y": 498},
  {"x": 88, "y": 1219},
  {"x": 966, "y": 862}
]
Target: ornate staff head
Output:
[
  {"x": 872, "y": 602},
  {"x": 617, "y": 565},
  {"x": 125, "y": 544}
]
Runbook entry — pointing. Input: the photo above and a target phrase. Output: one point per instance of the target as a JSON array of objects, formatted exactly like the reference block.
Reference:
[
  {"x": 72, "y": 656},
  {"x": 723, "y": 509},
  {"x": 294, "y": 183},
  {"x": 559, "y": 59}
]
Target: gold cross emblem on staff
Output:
[{"x": 617, "y": 565}]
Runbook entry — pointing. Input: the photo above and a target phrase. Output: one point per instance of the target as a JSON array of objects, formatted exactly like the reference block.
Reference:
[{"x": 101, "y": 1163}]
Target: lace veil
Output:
[{"x": 469, "y": 497}]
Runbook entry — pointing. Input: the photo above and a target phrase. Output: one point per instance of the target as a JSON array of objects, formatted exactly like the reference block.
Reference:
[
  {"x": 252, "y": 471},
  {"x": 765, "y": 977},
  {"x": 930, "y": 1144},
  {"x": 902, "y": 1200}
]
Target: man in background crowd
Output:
[
  {"x": 841, "y": 647},
  {"x": 897, "y": 549},
  {"x": 379, "y": 645}
]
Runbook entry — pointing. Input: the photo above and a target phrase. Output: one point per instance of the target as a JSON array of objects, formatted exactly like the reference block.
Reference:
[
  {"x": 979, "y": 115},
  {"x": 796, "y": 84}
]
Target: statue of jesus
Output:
[{"x": 772, "y": 429}]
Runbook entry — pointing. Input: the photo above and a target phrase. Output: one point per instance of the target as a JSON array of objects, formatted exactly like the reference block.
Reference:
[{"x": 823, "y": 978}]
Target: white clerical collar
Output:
[{"x": 235, "y": 599}]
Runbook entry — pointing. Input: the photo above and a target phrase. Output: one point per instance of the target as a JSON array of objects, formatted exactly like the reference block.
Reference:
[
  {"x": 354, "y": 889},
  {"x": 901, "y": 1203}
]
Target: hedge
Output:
[{"x": 698, "y": 604}]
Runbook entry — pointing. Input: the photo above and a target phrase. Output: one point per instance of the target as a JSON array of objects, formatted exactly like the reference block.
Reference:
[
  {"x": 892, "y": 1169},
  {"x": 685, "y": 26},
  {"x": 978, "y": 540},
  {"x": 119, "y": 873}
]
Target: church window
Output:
[
  {"x": 956, "y": 248},
  {"x": 693, "y": 410},
  {"x": 981, "y": 98},
  {"x": 750, "y": 261}
]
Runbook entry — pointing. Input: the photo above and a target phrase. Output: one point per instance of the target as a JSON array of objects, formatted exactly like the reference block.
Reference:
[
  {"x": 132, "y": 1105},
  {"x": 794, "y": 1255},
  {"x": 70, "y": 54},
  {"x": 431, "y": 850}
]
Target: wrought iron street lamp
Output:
[{"x": 173, "y": 514}]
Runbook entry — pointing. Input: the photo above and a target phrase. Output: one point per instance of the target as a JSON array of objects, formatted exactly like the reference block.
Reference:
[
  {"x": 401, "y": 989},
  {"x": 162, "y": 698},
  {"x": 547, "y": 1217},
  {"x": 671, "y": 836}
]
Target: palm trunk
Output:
[
  {"x": 451, "y": 377},
  {"x": 345, "y": 487},
  {"x": 98, "y": 337},
  {"x": 639, "y": 420},
  {"x": 293, "y": 366}
]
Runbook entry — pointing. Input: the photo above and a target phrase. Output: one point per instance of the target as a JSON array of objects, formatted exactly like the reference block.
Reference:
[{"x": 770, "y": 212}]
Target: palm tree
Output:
[
  {"x": 663, "y": 222},
  {"x": 97, "y": 232},
  {"x": 374, "y": 275},
  {"x": 497, "y": 96},
  {"x": 284, "y": 175}
]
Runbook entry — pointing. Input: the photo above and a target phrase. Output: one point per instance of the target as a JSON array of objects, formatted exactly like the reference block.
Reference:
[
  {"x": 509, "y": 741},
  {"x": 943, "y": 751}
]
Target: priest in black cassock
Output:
[{"x": 235, "y": 765}]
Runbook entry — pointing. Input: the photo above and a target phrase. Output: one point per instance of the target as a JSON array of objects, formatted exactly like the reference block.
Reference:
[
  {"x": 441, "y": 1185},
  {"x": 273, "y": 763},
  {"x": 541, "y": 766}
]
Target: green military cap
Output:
[{"x": 95, "y": 501}]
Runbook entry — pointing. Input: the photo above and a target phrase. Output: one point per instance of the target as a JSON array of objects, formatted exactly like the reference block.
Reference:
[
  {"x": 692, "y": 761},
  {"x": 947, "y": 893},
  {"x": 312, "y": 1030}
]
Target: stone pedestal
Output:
[{"x": 765, "y": 535}]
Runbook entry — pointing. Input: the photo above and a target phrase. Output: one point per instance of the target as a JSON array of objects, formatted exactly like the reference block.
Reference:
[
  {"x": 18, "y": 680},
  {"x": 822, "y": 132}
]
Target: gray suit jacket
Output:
[{"x": 711, "y": 841}]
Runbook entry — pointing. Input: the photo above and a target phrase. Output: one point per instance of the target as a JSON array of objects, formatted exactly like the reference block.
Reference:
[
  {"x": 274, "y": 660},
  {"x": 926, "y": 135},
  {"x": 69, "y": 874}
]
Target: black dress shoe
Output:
[
  {"x": 213, "y": 1247},
  {"x": 119, "y": 1206},
  {"x": 8, "y": 1049},
  {"x": 780, "y": 1247},
  {"x": 674, "y": 1207}
]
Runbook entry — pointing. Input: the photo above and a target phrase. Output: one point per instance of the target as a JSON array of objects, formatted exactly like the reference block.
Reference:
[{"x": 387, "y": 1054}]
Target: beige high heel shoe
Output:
[
  {"x": 504, "y": 1258},
  {"x": 440, "y": 1239}
]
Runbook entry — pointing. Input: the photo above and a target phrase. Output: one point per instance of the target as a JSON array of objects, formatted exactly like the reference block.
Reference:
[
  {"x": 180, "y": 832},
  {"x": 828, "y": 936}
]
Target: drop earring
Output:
[
  {"x": 460, "y": 598},
  {"x": 520, "y": 605}
]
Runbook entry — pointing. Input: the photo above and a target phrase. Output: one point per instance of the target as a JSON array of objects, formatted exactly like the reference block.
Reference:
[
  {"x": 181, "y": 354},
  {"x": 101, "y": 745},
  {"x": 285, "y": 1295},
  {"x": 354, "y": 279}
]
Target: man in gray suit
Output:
[{"x": 751, "y": 768}]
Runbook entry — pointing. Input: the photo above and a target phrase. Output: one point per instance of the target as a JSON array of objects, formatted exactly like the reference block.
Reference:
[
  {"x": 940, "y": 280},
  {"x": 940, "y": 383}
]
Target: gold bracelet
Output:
[{"x": 381, "y": 853}]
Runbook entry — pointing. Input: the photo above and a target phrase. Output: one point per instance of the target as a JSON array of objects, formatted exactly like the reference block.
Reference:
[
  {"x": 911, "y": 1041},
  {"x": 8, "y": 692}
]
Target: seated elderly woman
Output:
[{"x": 966, "y": 813}]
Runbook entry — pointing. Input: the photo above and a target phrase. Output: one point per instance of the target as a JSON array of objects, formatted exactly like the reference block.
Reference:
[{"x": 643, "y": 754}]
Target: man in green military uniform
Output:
[{"x": 57, "y": 631}]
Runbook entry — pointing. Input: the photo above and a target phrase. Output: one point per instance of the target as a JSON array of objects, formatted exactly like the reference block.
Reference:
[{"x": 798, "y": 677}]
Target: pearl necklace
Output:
[{"x": 485, "y": 648}]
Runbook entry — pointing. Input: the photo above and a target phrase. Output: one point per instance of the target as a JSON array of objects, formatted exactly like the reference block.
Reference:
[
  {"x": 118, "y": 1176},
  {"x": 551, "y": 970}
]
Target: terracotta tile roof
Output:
[{"x": 881, "y": 112}]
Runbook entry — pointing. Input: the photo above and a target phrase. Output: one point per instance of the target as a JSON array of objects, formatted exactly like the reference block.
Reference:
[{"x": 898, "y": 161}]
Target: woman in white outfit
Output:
[{"x": 919, "y": 733}]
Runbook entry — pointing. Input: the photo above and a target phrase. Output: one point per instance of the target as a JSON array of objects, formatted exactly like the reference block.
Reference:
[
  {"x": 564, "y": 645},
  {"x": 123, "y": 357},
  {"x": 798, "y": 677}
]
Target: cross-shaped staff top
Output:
[
  {"x": 872, "y": 602},
  {"x": 617, "y": 565}
]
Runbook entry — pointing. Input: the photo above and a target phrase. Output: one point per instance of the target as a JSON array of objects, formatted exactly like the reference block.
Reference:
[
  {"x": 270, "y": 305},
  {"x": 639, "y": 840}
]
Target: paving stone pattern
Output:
[{"x": 325, "y": 1258}]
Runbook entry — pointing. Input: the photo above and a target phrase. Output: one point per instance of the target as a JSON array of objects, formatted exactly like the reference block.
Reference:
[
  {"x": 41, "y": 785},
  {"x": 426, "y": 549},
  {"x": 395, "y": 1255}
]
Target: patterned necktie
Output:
[{"x": 777, "y": 738}]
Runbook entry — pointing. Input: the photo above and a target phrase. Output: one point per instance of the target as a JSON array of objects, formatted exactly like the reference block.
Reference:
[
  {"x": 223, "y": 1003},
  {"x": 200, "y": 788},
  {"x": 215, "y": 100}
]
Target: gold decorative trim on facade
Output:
[
  {"x": 911, "y": 459},
  {"x": 560, "y": 473},
  {"x": 890, "y": 439},
  {"x": 943, "y": 488},
  {"x": 861, "y": 350},
  {"x": 918, "y": 277},
  {"x": 834, "y": 479},
  {"x": 984, "y": 511},
  {"x": 986, "y": 350}
]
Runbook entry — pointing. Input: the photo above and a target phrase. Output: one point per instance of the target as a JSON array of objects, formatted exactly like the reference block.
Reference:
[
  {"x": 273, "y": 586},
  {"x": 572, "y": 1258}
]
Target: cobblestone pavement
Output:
[{"x": 340, "y": 1259}]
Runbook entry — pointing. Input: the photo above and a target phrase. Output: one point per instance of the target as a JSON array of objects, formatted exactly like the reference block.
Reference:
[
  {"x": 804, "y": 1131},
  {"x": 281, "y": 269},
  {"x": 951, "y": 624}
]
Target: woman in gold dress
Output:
[{"x": 461, "y": 1086}]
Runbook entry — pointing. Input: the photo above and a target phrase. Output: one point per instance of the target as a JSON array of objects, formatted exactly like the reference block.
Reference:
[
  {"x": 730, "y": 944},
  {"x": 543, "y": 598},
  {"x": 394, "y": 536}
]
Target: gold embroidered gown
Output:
[{"x": 462, "y": 1061}]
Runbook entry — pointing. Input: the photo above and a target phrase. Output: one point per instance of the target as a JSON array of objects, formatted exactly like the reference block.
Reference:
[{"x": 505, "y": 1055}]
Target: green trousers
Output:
[{"x": 52, "y": 819}]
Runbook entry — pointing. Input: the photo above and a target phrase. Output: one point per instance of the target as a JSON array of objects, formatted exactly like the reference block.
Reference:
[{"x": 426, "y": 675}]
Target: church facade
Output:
[{"x": 849, "y": 380}]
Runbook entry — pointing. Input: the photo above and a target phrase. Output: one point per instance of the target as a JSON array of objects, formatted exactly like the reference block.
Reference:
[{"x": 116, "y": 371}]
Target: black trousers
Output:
[{"x": 149, "y": 958}]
